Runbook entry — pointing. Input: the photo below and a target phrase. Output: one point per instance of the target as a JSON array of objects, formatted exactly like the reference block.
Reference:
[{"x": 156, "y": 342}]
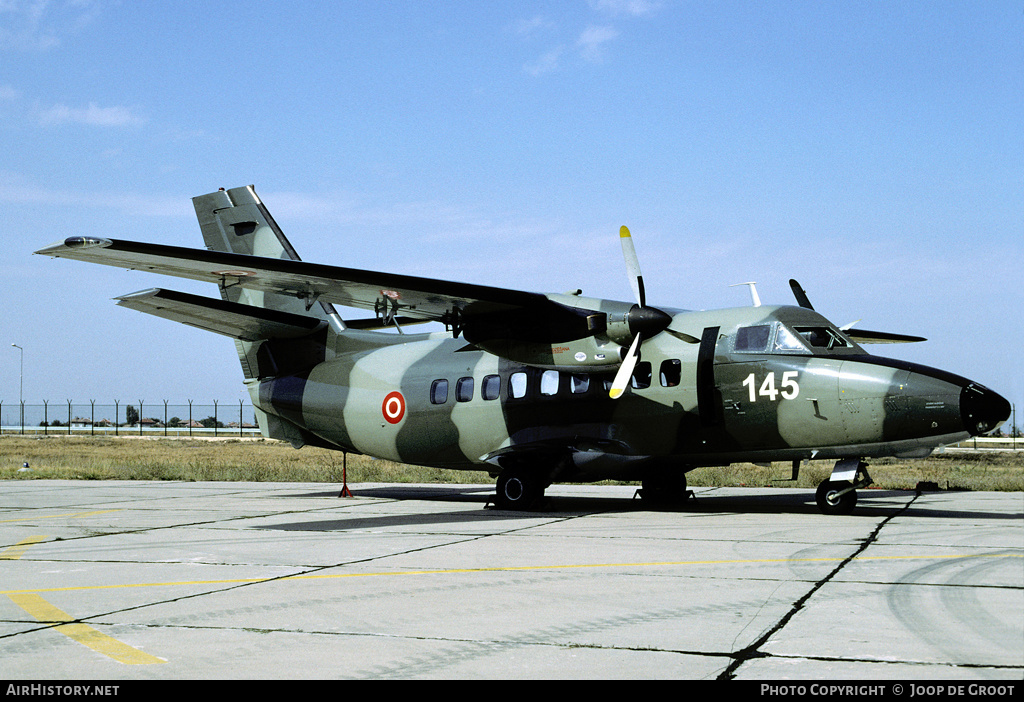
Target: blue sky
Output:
[{"x": 874, "y": 151}]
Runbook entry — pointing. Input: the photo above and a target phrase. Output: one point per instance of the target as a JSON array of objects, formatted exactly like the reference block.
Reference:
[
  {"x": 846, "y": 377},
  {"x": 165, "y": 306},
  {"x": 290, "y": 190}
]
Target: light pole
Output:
[{"x": 21, "y": 387}]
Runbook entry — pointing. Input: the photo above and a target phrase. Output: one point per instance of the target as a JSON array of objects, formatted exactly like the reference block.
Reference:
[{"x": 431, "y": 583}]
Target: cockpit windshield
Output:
[
  {"x": 785, "y": 340},
  {"x": 780, "y": 338}
]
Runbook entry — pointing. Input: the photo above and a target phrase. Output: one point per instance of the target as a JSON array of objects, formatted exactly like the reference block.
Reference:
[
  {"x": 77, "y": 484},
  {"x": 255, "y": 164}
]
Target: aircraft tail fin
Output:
[{"x": 237, "y": 221}]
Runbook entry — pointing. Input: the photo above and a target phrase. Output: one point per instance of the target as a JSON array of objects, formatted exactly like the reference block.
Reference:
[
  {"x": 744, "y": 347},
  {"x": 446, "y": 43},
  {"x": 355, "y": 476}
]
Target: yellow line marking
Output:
[
  {"x": 13, "y": 553},
  {"x": 82, "y": 633},
  {"x": 496, "y": 569},
  {"x": 59, "y": 516}
]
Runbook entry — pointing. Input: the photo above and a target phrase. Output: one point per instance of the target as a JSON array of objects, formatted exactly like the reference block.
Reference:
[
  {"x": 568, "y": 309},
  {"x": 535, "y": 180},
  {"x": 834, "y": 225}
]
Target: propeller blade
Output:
[
  {"x": 683, "y": 336},
  {"x": 863, "y": 336},
  {"x": 801, "y": 296},
  {"x": 633, "y": 266},
  {"x": 625, "y": 372}
]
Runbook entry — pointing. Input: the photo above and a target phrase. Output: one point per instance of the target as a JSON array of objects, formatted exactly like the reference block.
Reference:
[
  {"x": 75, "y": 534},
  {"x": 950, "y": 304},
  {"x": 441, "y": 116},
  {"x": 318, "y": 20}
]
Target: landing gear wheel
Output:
[
  {"x": 517, "y": 490},
  {"x": 831, "y": 502}
]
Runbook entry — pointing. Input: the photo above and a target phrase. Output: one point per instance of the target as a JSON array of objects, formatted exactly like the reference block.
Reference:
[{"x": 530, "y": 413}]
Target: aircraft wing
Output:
[{"x": 387, "y": 293}]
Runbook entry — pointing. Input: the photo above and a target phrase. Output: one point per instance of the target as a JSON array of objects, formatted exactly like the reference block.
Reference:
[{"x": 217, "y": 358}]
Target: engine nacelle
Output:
[{"x": 589, "y": 354}]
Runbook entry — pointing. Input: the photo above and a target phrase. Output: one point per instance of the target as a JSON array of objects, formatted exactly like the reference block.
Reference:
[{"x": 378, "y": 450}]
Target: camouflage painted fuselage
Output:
[{"x": 768, "y": 394}]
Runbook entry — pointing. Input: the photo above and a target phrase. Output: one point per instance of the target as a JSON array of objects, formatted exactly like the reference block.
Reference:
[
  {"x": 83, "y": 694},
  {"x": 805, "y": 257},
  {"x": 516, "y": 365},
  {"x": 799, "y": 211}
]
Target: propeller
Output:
[{"x": 644, "y": 322}]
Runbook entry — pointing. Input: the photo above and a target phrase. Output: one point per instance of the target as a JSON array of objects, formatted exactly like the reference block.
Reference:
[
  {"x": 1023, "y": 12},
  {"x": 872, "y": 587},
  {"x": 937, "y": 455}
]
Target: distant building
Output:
[{"x": 148, "y": 423}]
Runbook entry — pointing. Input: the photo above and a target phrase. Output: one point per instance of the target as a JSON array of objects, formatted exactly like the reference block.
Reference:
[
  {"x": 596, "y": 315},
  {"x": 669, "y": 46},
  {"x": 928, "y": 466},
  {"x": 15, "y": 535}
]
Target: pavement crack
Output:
[{"x": 753, "y": 651}]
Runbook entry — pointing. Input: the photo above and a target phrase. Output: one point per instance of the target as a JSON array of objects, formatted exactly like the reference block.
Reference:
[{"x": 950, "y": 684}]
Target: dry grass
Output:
[
  {"x": 258, "y": 460},
  {"x": 249, "y": 460}
]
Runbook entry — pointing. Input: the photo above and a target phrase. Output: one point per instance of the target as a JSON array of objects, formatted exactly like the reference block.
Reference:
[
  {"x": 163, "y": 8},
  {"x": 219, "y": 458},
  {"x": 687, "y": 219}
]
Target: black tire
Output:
[
  {"x": 830, "y": 503},
  {"x": 517, "y": 490}
]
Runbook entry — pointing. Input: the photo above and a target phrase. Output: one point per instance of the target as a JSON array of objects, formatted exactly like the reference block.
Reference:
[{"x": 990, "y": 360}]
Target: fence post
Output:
[
  {"x": 165, "y": 417},
  {"x": 46, "y": 417},
  {"x": 117, "y": 416},
  {"x": 92, "y": 418},
  {"x": 190, "y": 417},
  {"x": 69, "y": 417},
  {"x": 240, "y": 419},
  {"x": 214, "y": 419}
]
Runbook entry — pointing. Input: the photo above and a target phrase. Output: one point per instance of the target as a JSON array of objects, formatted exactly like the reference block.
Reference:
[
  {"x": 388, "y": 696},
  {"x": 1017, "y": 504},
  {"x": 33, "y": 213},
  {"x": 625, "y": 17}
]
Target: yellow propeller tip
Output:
[{"x": 623, "y": 231}]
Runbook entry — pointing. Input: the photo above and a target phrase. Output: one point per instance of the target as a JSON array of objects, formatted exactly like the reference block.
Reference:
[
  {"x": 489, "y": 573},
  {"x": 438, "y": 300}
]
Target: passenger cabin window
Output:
[
  {"x": 549, "y": 382},
  {"x": 464, "y": 390},
  {"x": 642, "y": 375},
  {"x": 753, "y": 339},
  {"x": 491, "y": 388},
  {"x": 439, "y": 392},
  {"x": 517, "y": 385},
  {"x": 580, "y": 384},
  {"x": 671, "y": 372}
]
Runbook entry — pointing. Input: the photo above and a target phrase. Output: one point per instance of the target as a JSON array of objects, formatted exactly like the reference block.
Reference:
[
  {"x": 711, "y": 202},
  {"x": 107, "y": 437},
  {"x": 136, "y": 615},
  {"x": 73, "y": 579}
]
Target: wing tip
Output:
[{"x": 75, "y": 242}]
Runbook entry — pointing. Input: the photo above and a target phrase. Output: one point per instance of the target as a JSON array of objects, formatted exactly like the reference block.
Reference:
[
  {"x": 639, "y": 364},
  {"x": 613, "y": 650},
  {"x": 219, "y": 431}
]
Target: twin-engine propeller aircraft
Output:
[{"x": 537, "y": 388}]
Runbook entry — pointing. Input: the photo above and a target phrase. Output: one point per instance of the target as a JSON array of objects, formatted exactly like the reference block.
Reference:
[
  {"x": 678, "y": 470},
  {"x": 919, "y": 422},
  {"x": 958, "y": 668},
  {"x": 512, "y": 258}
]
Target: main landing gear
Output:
[
  {"x": 838, "y": 494},
  {"x": 518, "y": 489}
]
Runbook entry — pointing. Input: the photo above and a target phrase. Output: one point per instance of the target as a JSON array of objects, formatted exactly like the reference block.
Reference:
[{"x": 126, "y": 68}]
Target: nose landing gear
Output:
[{"x": 838, "y": 494}]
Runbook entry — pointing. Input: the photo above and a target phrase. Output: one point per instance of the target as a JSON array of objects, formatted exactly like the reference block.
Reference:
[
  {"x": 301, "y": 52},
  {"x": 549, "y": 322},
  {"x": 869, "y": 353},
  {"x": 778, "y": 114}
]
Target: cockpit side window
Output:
[
  {"x": 785, "y": 340},
  {"x": 822, "y": 337},
  {"x": 753, "y": 339}
]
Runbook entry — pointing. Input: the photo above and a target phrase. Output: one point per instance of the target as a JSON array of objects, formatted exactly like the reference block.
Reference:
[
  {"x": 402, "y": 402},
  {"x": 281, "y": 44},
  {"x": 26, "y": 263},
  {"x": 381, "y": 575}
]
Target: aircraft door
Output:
[
  {"x": 709, "y": 401},
  {"x": 751, "y": 424}
]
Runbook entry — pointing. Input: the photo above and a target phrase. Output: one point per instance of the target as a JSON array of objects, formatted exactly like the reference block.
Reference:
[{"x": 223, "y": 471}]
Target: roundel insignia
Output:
[{"x": 393, "y": 407}]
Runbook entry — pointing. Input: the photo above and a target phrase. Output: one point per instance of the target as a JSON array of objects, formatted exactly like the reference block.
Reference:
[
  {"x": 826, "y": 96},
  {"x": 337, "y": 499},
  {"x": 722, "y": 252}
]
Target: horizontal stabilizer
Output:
[
  {"x": 238, "y": 321},
  {"x": 863, "y": 336}
]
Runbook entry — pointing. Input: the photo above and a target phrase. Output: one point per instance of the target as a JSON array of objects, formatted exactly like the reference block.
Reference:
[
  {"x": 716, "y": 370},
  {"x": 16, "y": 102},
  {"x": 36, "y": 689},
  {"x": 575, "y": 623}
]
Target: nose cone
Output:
[{"x": 981, "y": 409}]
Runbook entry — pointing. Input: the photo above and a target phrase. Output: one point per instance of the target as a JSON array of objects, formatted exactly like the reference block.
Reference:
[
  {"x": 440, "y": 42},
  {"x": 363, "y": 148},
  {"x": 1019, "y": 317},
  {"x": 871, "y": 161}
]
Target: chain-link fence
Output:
[{"x": 137, "y": 417}]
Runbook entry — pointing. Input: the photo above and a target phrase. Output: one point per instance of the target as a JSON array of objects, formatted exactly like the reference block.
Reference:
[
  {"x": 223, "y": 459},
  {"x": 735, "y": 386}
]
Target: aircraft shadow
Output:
[
  {"x": 452, "y": 519},
  {"x": 768, "y": 502},
  {"x": 446, "y": 493},
  {"x": 803, "y": 502}
]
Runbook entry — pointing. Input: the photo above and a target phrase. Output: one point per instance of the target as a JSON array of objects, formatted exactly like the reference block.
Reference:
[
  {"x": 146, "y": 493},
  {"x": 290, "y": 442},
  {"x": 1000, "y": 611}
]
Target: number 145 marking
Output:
[{"x": 788, "y": 388}]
